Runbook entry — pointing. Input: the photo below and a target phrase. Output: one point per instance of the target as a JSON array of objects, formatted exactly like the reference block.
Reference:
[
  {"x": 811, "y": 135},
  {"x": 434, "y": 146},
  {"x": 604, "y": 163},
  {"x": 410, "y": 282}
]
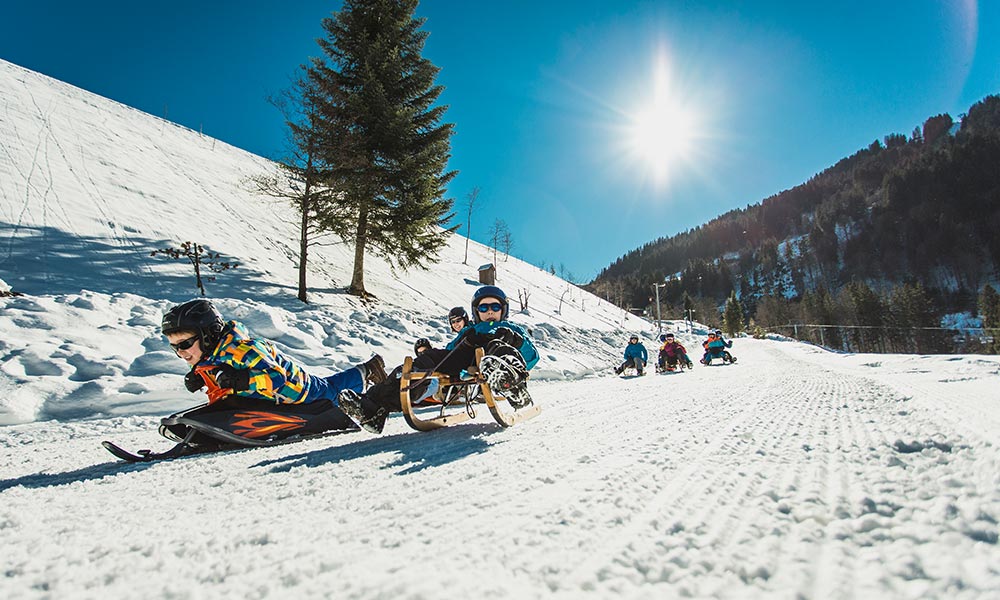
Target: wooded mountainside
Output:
[{"x": 922, "y": 210}]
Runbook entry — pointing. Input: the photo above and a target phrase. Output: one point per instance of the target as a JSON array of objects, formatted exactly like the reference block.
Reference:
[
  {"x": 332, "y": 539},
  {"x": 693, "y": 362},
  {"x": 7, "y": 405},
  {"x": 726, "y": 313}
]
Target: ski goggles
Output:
[
  {"x": 457, "y": 319},
  {"x": 492, "y": 306},
  {"x": 185, "y": 344}
]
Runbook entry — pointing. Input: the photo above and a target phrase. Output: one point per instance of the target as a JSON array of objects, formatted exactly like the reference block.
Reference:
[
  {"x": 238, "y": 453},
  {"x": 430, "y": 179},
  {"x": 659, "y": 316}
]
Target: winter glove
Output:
[
  {"x": 475, "y": 339},
  {"x": 235, "y": 379},
  {"x": 193, "y": 381},
  {"x": 508, "y": 336}
]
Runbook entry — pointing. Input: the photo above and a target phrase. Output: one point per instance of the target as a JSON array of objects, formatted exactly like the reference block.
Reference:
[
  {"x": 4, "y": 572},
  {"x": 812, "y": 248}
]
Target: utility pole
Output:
[{"x": 659, "y": 322}]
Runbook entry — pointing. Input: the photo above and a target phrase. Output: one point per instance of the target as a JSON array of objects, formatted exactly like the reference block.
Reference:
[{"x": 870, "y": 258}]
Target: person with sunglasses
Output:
[
  {"x": 458, "y": 319},
  {"x": 510, "y": 353},
  {"x": 230, "y": 363},
  {"x": 635, "y": 356},
  {"x": 672, "y": 353}
]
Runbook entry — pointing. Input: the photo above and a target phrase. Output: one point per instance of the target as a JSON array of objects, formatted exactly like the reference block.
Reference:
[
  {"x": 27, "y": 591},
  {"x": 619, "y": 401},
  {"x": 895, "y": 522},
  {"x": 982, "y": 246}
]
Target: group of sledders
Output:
[
  {"x": 673, "y": 355},
  {"x": 241, "y": 372}
]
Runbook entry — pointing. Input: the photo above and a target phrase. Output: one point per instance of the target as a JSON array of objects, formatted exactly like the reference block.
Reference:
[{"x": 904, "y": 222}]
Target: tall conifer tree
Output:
[{"x": 384, "y": 140}]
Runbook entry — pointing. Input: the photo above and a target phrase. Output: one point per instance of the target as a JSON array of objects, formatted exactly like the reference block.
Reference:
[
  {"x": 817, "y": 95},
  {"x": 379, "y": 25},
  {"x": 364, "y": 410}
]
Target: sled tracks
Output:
[{"x": 801, "y": 481}]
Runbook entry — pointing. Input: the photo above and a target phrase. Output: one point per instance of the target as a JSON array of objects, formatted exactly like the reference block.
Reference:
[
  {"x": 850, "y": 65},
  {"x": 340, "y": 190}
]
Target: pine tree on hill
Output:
[
  {"x": 383, "y": 137},
  {"x": 732, "y": 317}
]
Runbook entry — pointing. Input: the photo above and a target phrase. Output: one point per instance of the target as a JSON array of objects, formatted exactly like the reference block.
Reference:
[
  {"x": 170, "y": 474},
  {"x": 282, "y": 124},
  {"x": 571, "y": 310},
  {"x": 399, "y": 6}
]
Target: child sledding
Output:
[
  {"x": 635, "y": 356},
  {"x": 489, "y": 359},
  {"x": 258, "y": 396},
  {"x": 715, "y": 349},
  {"x": 673, "y": 356}
]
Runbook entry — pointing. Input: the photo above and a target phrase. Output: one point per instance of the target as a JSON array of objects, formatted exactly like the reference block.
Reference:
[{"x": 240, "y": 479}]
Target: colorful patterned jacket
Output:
[{"x": 273, "y": 376}]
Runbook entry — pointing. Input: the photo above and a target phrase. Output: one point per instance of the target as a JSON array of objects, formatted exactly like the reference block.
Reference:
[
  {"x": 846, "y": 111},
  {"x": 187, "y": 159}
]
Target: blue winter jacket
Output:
[
  {"x": 527, "y": 349},
  {"x": 636, "y": 350}
]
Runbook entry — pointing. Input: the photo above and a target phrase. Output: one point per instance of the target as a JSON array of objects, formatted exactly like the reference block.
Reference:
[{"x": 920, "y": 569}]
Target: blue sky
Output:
[{"x": 553, "y": 102}]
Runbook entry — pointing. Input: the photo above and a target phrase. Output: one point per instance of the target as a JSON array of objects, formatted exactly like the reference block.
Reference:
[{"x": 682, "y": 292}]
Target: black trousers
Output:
[{"x": 449, "y": 362}]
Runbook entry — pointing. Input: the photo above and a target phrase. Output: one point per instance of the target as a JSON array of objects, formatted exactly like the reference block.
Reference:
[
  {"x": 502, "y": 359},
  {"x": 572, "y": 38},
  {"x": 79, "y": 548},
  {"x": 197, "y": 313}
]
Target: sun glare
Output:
[{"x": 662, "y": 135}]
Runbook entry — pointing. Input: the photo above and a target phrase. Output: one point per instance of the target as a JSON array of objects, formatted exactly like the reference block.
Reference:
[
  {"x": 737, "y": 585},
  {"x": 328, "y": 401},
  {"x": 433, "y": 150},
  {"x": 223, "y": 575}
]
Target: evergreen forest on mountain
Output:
[{"x": 896, "y": 236}]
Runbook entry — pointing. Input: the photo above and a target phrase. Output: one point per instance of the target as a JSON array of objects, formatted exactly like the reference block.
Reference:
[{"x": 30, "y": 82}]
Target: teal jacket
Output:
[
  {"x": 636, "y": 351},
  {"x": 527, "y": 349}
]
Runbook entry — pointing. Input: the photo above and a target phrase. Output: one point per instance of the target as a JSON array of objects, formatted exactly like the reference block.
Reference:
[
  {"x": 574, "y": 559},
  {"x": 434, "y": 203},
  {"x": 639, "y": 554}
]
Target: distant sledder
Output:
[
  {"x": 257, "y": 396},
  {"x": 635, "y": 356},
  {"x": 715, "y": 349},
  {"x": 673, "y": 356}
]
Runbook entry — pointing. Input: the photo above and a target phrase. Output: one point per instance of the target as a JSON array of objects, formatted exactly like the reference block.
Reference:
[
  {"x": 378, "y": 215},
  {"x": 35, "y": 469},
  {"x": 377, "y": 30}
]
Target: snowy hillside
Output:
[
  {"x": 89, "y": 187},
  {"x": 794, "y": 473}
]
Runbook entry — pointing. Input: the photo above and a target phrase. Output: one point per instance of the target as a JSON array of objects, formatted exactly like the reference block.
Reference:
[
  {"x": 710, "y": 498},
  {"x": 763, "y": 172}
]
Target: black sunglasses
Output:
[
  {"x": 494, "y": 306},
  {"x": 457, "y": 319},
  {"x": 185, "y": 344}
]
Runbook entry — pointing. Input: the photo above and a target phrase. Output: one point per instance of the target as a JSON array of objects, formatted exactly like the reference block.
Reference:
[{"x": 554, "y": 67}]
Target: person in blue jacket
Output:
[
  {"x": 635, "y": 356},
  {"x": 510, "y": 354}
]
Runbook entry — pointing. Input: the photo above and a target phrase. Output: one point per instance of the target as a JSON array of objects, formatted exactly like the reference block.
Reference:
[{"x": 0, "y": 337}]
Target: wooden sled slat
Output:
[
  {"x": 410, "y": 415},
  {"x": 495, "y": 403}
]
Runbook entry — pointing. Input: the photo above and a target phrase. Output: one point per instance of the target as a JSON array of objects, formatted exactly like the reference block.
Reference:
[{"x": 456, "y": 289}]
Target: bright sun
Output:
[{"x": 663, "y": 135}]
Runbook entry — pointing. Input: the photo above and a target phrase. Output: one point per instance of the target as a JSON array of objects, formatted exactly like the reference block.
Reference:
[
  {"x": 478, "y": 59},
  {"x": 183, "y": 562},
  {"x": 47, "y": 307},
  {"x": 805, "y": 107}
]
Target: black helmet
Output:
[
  {"x": 718, "y": 332},
  {"x": 199, "y": 316},
  {"x": 421, "y": 343},
  {"x": 489, "y": 291},
  {"x": 458, "y": 313}
]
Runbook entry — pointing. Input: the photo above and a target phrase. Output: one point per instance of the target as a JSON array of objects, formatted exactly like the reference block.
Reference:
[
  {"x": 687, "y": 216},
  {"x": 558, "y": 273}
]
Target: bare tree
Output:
[
  {"x": 497, "y": 234},
  {"x": 299, "y": 176},
  {"x": 507, "y": 243},
  {"x": 470, "y": 203},
  {"x": 522, "y": 298},
  {"x": 561, "y": 298},
  {"x": 198, "y": 257}
]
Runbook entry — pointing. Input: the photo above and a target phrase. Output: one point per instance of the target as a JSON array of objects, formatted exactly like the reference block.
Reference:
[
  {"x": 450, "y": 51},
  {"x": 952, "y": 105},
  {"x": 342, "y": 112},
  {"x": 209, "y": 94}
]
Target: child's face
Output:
[
  {"x": 457, "y": 323},
  {"x": 178, "y": 340},
  {"x": 489, "y": 303}
]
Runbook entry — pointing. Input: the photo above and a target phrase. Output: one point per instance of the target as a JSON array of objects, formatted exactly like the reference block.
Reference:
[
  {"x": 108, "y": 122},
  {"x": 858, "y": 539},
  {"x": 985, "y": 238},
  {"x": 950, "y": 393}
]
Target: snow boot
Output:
[
  {"x": 518, "y": 396},
  {"x": 503, "y": 373},
  {"x": 367, "y": 413},
  {"x": 373, "y": 371}
]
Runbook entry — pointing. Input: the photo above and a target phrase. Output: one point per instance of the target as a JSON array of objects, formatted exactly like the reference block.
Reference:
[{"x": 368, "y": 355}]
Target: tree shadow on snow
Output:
[
  {"x": 417, "y": 451},
  {"x": 46, "y": 260}
]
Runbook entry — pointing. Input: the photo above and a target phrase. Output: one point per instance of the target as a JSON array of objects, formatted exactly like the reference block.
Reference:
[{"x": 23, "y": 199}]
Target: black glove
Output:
[
  {"x": 193, "y": 381},
  {"x": 475, "y": 339},
  {"x": 508, "y": 336},
  {"x": 235, "y": 379}
]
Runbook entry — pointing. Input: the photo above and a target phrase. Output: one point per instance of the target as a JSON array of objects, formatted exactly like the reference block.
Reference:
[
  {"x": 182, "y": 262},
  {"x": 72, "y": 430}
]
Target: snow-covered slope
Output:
[
  {"x": 795, "y": 473},
  {"x": 88, "y": 187}
]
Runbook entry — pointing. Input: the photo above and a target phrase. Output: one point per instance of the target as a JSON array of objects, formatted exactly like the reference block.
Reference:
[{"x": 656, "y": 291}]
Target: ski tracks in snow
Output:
[
  {"x": 775, "y": 477},
  {"x": 800, "y": 487}
]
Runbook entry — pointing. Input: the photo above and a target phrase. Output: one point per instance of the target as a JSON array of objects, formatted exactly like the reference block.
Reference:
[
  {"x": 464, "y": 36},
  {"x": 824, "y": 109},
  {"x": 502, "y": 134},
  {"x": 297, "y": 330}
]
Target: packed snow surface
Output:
[{"x": 794, "y": 473}]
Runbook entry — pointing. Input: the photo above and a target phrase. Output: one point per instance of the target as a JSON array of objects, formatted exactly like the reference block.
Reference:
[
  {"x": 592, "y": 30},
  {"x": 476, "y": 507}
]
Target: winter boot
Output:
[
  {"x": 365, "y": 411},
  {"x": 503, "y": 373},
  {"x": 518, "y": 395},
  {"x": 373, "y": 371}
]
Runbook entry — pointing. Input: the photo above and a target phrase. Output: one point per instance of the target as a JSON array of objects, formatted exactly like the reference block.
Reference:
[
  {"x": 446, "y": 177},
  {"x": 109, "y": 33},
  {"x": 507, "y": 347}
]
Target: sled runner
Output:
[
  {"x": 464, "y": 392},
  {"x": 235, "y": 422},
  {"x": 679, "y": 367},
  {"x": 726, "y": 358}
]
